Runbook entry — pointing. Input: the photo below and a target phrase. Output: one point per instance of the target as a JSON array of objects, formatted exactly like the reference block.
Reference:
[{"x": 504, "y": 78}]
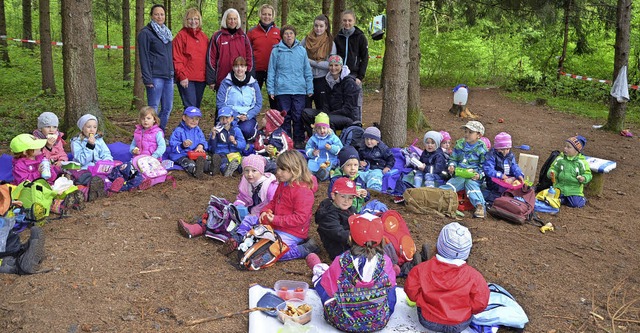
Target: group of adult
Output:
[{"x": 321, "y": 70}]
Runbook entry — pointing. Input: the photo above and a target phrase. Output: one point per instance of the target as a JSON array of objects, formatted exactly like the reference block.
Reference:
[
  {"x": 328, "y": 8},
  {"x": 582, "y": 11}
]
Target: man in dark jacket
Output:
[{"x": 332, "y": 217}]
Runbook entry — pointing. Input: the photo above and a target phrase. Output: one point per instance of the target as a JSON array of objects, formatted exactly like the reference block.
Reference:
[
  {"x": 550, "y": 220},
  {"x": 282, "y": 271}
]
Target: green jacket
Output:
[{"x": 567, "y": 169}]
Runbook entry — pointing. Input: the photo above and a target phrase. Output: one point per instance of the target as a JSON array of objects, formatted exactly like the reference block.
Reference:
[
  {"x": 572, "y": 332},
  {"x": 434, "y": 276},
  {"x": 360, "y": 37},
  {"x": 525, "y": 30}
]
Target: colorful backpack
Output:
[
  {"x": 151, "y": 168},
  {"x": 359, "y": 309},
  {"x": 221, "y": 218},
  {"x": 262, "y": 247},
  {"x": 36, "y": 196},
  {"x": 397, "y": 233},
  {"x": 103, "y": 168}
]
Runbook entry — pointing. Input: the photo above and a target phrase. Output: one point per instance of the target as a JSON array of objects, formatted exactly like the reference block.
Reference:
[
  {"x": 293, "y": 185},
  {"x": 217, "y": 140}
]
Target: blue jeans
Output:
[
  {"x": 435, "y": 327},
  {"x": 192, "y": 94},
  {"x": 293, "y": 104},
  {"x": 472, "y": 187},
  {"x": 161, "y": 94}
]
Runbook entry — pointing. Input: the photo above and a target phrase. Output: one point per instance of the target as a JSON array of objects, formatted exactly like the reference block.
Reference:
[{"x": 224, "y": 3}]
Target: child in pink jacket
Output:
[
  {"x": 27, "y": 159},
  {"x": 54, "y": 148},
  {"x": 256, "y": 187}
]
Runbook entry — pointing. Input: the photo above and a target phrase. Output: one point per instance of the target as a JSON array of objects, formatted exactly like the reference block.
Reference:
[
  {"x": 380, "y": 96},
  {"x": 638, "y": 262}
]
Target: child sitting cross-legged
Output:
[
  {"x": 322, "y": 148},
  {"x": 358, "y": 289},
  {"x": 332, "y": 217},
  {"x": 447, "y": 291},
  {"x": 375, "y": 157},
  {"x": 226, "y": 144},
  {"x": 434, "y": 163},
  {"x": 271, "y": 139},
  {"x": 571, "y": 171},
  {"x": 189, "y": 137},
  {"x": 349, "y": 162},
  {"x": 500, "y": 163}
]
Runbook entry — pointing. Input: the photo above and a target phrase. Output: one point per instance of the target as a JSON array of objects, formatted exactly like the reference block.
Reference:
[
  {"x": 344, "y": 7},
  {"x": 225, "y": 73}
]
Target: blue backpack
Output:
[
  {"x": 503, "y": 310},
  {"x": 353, "y": 136}
]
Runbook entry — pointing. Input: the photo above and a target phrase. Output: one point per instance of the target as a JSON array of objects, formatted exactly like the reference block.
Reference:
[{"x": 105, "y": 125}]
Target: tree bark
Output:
[
  {"x": 46, "y": 54},
  {"x": 393, "y": 122},
  {"x": 338, "y": 8},
  {"x": 241, "y": 7},
  {"x": 138, "y": 87},
  {"x": 416, "y": 118},
  {"x": 80, "y": 87},
  {"x": 167, "y": 5},
  {"x": 276, "y": 8},
  {"x": 284, "y": 12},
  {"x": 565, "y": 37},
  {"x": 126, "y": 41},
  {"x": 27, "y": 23},
  {"x": 106, "y": 21},
  {"x": 5, "y": 61},
  {"x": 326, "y": 10},
  {"x": 617, "y": 111}
]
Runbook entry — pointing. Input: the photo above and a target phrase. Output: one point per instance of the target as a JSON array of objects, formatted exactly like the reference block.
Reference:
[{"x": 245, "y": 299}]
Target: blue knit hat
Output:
[
  {"x": 454, "y": 241},
  {"x": 578, "y": 142},
  {"x": 347, "y": 153}
]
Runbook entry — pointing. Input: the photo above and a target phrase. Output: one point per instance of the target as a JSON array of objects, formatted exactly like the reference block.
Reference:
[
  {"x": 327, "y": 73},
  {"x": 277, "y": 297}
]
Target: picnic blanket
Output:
[
  {"x": 600, "y": 165},
  {"x": 404, "y": 318}
]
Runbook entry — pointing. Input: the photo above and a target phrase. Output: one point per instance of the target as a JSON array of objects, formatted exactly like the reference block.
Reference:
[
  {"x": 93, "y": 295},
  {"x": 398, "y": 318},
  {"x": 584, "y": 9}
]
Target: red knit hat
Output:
[
  {"x": 275, "y": 119},
  {"x": 366, "y": 228}
]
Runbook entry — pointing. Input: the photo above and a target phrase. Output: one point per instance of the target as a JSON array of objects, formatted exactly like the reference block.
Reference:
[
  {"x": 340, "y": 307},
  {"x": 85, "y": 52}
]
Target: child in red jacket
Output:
[{"x": 446, "y": 290}]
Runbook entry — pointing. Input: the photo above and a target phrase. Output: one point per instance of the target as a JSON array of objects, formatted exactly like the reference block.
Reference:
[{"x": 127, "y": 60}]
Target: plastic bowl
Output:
[
  {"x": 294, "y": 303},
  {"x": 288, "y": 289}
]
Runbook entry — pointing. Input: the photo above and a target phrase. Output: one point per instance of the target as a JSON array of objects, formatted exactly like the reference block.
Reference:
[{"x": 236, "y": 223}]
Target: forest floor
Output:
[{"x": 121, "y": 265}]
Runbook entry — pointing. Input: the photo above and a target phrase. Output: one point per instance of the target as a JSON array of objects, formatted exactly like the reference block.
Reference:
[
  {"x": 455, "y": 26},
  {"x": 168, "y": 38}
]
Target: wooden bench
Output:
[{"x": 599, "y": 167}]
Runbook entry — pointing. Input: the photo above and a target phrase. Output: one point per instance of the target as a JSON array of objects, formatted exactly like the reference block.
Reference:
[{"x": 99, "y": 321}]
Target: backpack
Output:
[
  {"x": 397, "y": 233},
  {"x": 220, "y": 218},
  {"x": 502, "y": 310},
  {"x": 151, "y": 168},
  {"x": 515, "y": 206},
  {"x": 353, "y": 136},
  {"x": 36, "y": 196},
  {"x": 544, "y": 182},
  {"x": 103, "y": 167},
  {"x": 377, "y": 26},
  {"x": 425, "y": 200},
  {"x": 262, "y": 248}
]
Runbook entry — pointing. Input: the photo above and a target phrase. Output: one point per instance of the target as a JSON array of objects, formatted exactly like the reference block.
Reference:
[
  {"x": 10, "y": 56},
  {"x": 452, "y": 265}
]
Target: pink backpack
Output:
[
  {"x": 151, "y": 168},
  {"x": 103, "y": 168}
]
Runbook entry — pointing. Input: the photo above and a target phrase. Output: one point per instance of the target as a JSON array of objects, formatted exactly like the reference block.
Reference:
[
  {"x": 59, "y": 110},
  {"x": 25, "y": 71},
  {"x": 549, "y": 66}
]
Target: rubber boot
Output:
[
  {"x": 29, "y": 261},
  {"x": 190, "y": 230},
  {"x": 8, "y": 265}
]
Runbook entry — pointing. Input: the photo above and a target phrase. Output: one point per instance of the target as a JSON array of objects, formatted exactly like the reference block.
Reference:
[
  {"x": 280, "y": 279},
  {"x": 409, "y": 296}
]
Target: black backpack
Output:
[
  {"x": 544, "y": 182},
  {"x": 353, "y": 136}
]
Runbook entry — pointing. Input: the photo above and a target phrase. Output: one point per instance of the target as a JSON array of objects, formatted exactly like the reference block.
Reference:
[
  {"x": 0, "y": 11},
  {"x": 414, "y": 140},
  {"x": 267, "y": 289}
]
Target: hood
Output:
[
  {"x": 448, "y": 276},
  {"x": 332, "y": 81},
  {"x": 282, "y": 46}
]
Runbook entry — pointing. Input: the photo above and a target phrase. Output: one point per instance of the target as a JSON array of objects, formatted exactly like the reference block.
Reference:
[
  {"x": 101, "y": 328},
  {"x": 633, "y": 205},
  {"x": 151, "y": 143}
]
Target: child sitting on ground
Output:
[
  {"x": 358, "y": 289},
  {"x": 148, "y": 137},
  {"x": 28, "y": 160},
  {"x": 226, "y": 143},
  {"x": 375, "y": 158},
  {"x": 571, "y": 171},
  {"x": 89, "y": 147},
  {"x": 322, "y": 148},
  {"x": 446, "y": 290},
  {"x": 272, "y": 140},
  {"x": 349, "y": 167},
  {"x": 189, "y": 137},
  {"x": 54, "y": 149},
  {"x": 466, "y": 166},
  {"x": 434, "y": 164},
  {"x": 500, "y": 163},
  {"x": 332, "y": 217},
  {"x": 445, "y": 144}
]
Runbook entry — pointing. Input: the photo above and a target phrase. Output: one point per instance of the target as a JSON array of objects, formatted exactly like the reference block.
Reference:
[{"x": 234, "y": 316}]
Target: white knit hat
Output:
[
  {"x": 83, "y": 120},
  {"x": 454, "y": 241}
]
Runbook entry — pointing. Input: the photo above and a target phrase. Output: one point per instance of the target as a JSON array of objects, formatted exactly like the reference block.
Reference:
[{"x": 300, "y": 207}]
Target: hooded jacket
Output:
[
  {"x": 156, "y": 57},
  {"x": 378, "y": 157},
  {"x": 357, "y": 58},
  {"x": 181, "y": 133},
  {"x": 494, "y": 166},
  {"x": 333, "y": 227},
  {"x": 190, "y": 54},
  {"x": 246, "y": 195},
  {"x": 56, "y": 153},
  {"x": 342, "y": 95},
  {"x": 28, "y": 169},
  {"x": 567, "y": 169},
  {"x": 89, "y": 156},
  {"x": 245, "y": 100},
  {"x": 289, "y": 71}
]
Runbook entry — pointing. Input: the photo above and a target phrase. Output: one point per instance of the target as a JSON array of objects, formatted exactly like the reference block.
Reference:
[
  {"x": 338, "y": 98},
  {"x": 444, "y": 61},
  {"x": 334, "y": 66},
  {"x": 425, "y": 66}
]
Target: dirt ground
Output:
[{"x": 121, "y": 265}]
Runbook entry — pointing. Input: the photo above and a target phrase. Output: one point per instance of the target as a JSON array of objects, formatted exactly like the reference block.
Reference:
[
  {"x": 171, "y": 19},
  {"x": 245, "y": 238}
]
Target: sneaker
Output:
[
  {"x": 398, "y": 199},
  {"x": 312, "y": 260},
  {"x": 479, "y": 213},
  {"x": 199, "y": 173},
  {"x": 417, "y": 258},
  {"x": 229, "y": 246},
  {"x": 29, "y": 262},
  {"x": 216, "y": 161},
  {"x": 96, "y": 188},
  {"x": 231, "y": 168},
  {"x": 322, "y": 174},
  {"x": 116, "y": 186},
  {"x": 426, "y": 251}
]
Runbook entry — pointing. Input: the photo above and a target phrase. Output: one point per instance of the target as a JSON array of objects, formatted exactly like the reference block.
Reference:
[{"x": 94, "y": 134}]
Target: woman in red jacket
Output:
[
  {"x": 263, "y": 37},
  {"x": 189, "y": 59}
]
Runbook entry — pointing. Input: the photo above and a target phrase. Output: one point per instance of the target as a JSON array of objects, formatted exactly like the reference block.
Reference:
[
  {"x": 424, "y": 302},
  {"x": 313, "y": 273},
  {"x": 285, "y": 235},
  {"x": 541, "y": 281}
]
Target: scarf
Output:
[
  {"x": 232, "y": 31},
  {"x": 162, "y": 31},
  {"x": 237, "y": 81},
  {"x": 318, "y": 47}
]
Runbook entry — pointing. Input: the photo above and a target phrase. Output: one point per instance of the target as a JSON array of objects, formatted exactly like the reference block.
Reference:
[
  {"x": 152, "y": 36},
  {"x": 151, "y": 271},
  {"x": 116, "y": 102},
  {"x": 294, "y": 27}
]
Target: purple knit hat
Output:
[
  {"x": 255, "y": 161},
  {"x": 502, "y": 141}
]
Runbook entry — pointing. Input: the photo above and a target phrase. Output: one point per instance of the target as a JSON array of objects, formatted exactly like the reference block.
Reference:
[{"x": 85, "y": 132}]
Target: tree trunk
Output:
[
  {"x": 565, "y": 38},
  {"x": 393, "y": 122},
  {"x": 5, "y": 61},
  {"x": 80, "y": 87},
  {"x": 46, "y": 55},
  {"x": 167, "y": 5},
  {"x": 276, "y": 8},
  {"x": 617, "y": 111},
  {"x": 126, "y": 41},
  {"x": 241, "y": 7},
  {"x": 27, "y": 32},
  {"x": 106, "y": 19},
  {"x": 415, "y": 117},
  {"x": 284, "y": 12},
  {"x": 338, "y": 8},
  {"x": 326, "y": 10},
  {"x": 138, "y": 87}
]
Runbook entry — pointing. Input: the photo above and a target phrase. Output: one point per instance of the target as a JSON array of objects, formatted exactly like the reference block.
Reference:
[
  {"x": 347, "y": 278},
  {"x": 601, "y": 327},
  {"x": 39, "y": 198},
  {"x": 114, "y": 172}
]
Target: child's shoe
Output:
[
  {"x": 229, "y": 246},
  {"x": 479, "y": 213},
  {"x": 96, "y": 188},
  {"x": 312, "y": 260},
  {"x": 146, "y": 184},
  {"x": 216, "y": 161},
  {"x": 29, "y": 262},
  {"x": 398, "y": 199},
  {"x": 199, "y": 173},
  {"x": 190, "y": 230},
  {"x": 322, "y": 174},
  {"x": 231, "y": 168},
  {"x": 8, "y": 265},
  {"x": 308, "y": 247},
  {"x": 397, "y": 269},
  {"x": 116, "y": 186}
]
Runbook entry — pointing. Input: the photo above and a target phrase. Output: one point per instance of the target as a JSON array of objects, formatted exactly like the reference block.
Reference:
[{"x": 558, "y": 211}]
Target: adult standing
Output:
[
  {"x": 240, "y": 92},
  {"x": 156, "y": 63},
  {"x": 353, "y": 47},
  {"x": 289, "y": 79},
  {"x": 189, "y": 59},
  {"x": 263, "y": 37},
  {"x": 225, "y": 45},
  {"x": 319, "y": 45}
]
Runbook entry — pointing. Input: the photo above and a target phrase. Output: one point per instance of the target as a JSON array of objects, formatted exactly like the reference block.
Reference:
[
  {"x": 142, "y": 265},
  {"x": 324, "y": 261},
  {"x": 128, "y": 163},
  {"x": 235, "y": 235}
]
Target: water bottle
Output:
[
  {"x": 551, "y": 193},
  {"x": 46, "y": 168},
  {"x": 429, "y": 178}
]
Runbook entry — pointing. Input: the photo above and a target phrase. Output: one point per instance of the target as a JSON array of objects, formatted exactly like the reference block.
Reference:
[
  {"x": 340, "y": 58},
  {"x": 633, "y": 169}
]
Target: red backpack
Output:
[
  {"x": 515, "y": 206},
  {"x": 397, "y": 233}
]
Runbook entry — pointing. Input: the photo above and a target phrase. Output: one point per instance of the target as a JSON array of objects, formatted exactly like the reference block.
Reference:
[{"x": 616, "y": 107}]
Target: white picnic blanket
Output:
[
  {"x": 600, "y": 165},
  {"x": 404, "y": 318}
]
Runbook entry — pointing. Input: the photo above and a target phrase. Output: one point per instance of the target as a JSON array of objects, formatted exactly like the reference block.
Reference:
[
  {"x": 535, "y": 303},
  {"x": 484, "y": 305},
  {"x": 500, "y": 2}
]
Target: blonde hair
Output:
[
  {"x": 268, "y": 6},
  {"x": 293, "y": 161},
  {"x": 223, "y": 23},
  {"x": 145, "y": 110},
  {"x": 349, "y": 12},
  {"x": 191, "y": 12}
]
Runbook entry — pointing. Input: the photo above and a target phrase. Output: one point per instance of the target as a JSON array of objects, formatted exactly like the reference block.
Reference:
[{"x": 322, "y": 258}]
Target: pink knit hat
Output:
[
  {"x": 486, "y": 141},
  {"x": 255, "y": 161},
  {"x": 502, "y": 141},
  {"x": 445, "y": 136}
]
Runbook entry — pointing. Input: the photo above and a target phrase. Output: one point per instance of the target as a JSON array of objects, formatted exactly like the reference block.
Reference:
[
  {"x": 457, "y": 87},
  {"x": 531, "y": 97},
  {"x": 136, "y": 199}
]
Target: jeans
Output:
[
  {"x": 441, "y": 328},
  {"x": 161, "y": 94},
  {"x": 192, "y": 94},
  {"x": 294, "y": 105},
  {"x": 472, "y": 187}
]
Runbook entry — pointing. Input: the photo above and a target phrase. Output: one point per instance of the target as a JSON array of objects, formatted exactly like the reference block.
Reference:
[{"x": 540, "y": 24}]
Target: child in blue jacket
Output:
[
  {"x": 433, "y": 169},
  {"x": 226, "y": 144},
  {"x": 376, "y": 158},
  {"x": 322, "y": 148},
  {"x": 188, "y": 137},
  {"x": 500, "y": 163}
]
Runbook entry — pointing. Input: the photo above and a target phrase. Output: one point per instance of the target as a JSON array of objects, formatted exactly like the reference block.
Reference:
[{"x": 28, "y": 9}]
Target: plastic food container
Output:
[
  {"x": 193, "y": 155},
  {"x": 288, "y": 289},
  {"x": 301, "y": 306}
]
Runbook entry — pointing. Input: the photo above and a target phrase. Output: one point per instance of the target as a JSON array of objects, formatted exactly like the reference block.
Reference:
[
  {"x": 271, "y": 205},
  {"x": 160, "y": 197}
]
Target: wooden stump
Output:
[{"x": 596, "y": 186}]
